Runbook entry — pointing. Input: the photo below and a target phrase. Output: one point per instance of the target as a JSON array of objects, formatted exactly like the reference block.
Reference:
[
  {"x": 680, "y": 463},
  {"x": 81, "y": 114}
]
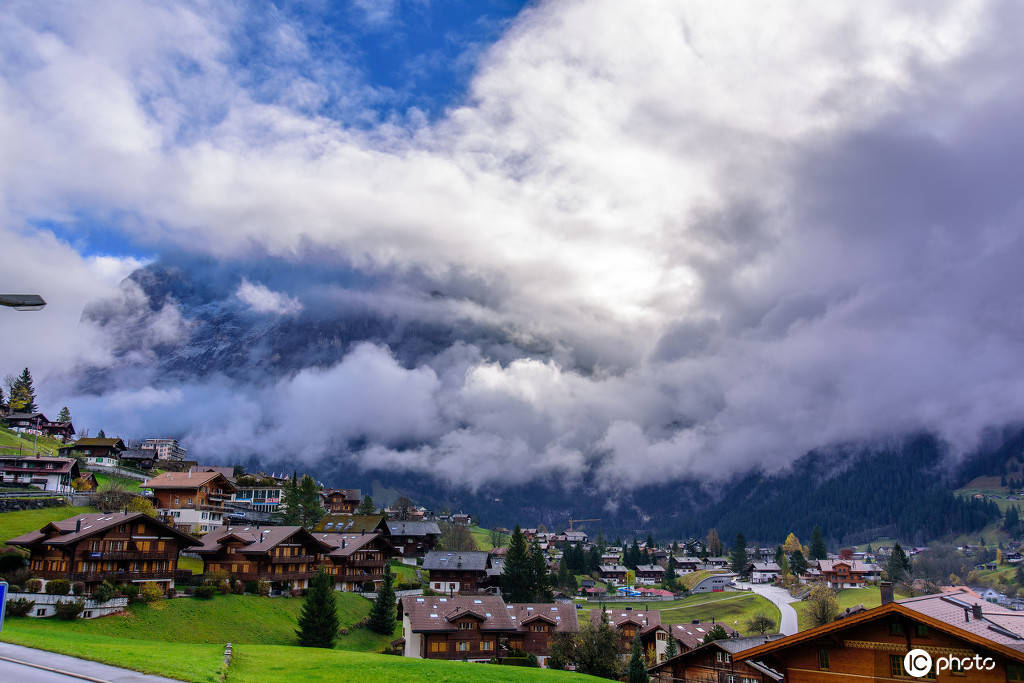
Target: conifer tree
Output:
[
  {"x": 382, "y": 614},
  {"x": 64, "y": 416},
  {"x": 366, "y": 506},
  {"x": 517, "y": 573},
  {"x": 818, "y": 549},
  {"x": 637, "y": 672},
  {"x": 311, "y": 508},
  {"x": 23, "y": 394},
  {"x": 540, "y": 587},
  {"x": 738, "y": 556},
  {"x": 593, "y": 559},
  {"x": 798, "y": 563},
  {"x": 672, "y": 648},
  {"x": 318, "y": 621},
  {"x": 899, "y": 564}
]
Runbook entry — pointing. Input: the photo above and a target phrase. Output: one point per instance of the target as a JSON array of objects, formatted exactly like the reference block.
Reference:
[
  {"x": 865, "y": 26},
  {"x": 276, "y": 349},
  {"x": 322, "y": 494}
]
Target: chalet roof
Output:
[
  {"x": 856, "y": 566},
  {"x": 348, "y": 494},
  {"x": 999, "y": 629},
  {"x": 765, "y": 567},
  {"x": 138, "y": 454},
  {"x": 74, "y": 529},
  {"x": 649, "y": 568},
  {"x": 10, "y": 463},
  {"x": 228, "y": 472},
  {"x": 25, "y": 416},
  {"x": 435, "y": 613},
  {"x": 257, "y": 539},
  {"x": 692, "y": 635},
  {"x": 405, "y": 528},
  {"x": 605, "y": 568},
  {"x": 351, "y": 523},
  {"x": 187, "y": 480},
  {"x": 352, "y": 542},
  {"x": 101, "y": 443},
  {"x": 466, "y": 560},
  {"x": 561, "y": 614},
  {"x": 646, "y": 620}
]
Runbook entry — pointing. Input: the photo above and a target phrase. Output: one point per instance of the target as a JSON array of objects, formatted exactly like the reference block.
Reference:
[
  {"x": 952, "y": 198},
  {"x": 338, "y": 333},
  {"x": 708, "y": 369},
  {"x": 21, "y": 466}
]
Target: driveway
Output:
[
  {"x": 26, "y": 664},
  {"x": 781, "y": 598}
]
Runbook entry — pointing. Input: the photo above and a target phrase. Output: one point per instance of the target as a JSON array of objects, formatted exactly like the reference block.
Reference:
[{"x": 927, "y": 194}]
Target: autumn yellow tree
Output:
[{"x": 792, "y": 544}]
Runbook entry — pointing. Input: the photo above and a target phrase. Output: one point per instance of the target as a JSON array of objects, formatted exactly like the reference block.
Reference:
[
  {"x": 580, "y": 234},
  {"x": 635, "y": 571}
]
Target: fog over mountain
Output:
[{"x": 674, "y": 241}]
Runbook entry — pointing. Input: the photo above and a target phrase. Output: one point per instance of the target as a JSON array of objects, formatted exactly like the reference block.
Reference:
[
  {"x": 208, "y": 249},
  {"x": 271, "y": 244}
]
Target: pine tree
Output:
[
  {"x": 738, "y": 556},
  {"x": 797, "y": 563},
  {"x": 312, "y": 510},
  {"x": 818, "y": 549},
  {"x": 101, "y": 435},
  {"x": 64, "y": 417},
  {"x": 382, "y": 614},
  {"x": 637, "y": 672},
  {"x": 23, "y": 394},
  {"x": 366, "y": 506},
  {"x": 540, "y": 587},
  {"x": 716, "y": 632},
  {"x": 899, "y": 564},
  {"x": 672, "y": 648},
  {"x": 292, "y": 502},
  {"x": 633, "y": 557},
  {"x": 517, "y": 573},
  {"x": 1011, "y": 523},
  {"x": 563, "y": 573},
  {"x": 593, "y": 559},
  {"x": 318, "y": 621}
]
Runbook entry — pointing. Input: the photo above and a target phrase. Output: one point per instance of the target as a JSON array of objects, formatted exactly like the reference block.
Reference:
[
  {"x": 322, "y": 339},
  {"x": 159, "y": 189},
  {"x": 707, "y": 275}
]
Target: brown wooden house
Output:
[
  {"x": 414, "y": 539},
  {"x": 286, "y": 556},
  {"x": 691, "y": 636},
  {"x": 357, "y": 561},
  {"x": 98, "y": 547},
  {"x": 49, "y": 474},
  {"x": 629, "y": 622},
  {"x": 457, "y": 571},
  {"x": 341, "y": 501},
  {"x": 719, "y": 660},
  {"x": 191, "y": 500}
]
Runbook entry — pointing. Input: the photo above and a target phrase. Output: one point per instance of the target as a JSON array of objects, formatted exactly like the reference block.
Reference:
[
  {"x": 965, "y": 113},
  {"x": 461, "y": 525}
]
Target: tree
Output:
[
  {"x": 23, "y": 394},
  {"x": 366, "y": 506},
  {"x": 517, "y": 576},
  {"x": 140, "y": 504},
  {"x": 382, "y": 614},
  {"x": 761, "y": 623},
  {"x": 1011, "y": 523},
  {"x": 455, "y": 537},
  {"x": 593, "y": 559},
  {"x": 999, "y": 556},
  {"x": 899, "y": 564},
  {"x": 497, "y": 538},
  {"x": 292, "y": 501},
  {"x": 792, "y": 544},
  {"x": 310, "y": 506},
  {"x": 670, "y": 574},
  {"x": 318, "y": 621},
  {"x": 64, "y": 416},
  {"x": 716, "y": 632},
  {"x": 797, "y": 563},
  {"x": 633, "y": 556},
  {"x": 738, "y": 556},
  {"x": 672, "y": 647},
  {"x": 404, "y": 507},
  {"x": 540, "y": 583},
  {"x": 713, "y": 544},
  {"x": 101, "y": 435},
  {"x": 822, "y": 606},
  {"x": 112, "y": 497},
  {"x": 596, "y": 651},
  {"x": 818, "y": 549},
  {"x": 637, "y": 669}
]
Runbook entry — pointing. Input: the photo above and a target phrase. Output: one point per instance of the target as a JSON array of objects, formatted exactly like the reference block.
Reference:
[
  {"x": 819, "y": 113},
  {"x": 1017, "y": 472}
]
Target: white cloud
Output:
[{"x": 263, "y": 300}]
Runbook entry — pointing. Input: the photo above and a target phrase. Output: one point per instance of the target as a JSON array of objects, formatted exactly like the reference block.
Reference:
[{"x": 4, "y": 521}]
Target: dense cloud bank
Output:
[{"x": 681, "y": 241}]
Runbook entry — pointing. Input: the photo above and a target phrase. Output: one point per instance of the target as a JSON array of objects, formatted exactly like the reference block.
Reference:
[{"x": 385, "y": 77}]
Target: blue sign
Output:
[{"x": 3, "y": 602}]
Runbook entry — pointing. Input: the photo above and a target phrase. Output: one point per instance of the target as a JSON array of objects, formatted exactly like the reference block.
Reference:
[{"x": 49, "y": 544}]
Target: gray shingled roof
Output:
[
  {"x": 467, "y": 560},
  {"x": 400, "y": 528}
]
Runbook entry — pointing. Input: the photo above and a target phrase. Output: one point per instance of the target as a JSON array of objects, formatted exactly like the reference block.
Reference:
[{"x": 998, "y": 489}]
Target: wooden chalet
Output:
[
  {"x": 97, "y": 547},
  {"x": 480, "y": 628},
  {"x": 649, "y": 574},
  {"x": 95, "y": 451},
  {"x": 614, "y": 574},
  {"x": 341, "y": 501},
  {"x": 286, "y": 556},
  {"x": 718, "y": 660},
  {"x": 413, "y": 539},
  {"x": 629, "y": 622},
  {"x": 42, "y": 472},
  {"x": 841, "y": 574},
  {"x": 37, "y": 423},
  {"x": 457, "y": 571},
  {"x": 191, "y": 500},
  {"x": 357, "y": 561}
]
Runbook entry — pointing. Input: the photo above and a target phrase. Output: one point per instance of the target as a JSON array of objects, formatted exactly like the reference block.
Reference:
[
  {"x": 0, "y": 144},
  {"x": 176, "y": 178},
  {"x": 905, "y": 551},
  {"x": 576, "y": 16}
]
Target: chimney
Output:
[
  {"x": 343, "y": 544},
  {"x": 78, "y": 525},
  {"x": 885, "y": 587},
  {"x": 976, "y": 610}
]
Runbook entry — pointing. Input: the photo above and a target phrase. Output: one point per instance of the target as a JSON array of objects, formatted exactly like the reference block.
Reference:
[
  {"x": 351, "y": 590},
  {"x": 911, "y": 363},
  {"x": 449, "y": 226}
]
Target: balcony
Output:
[
  {"x": 112, "y": 576},
  {"x": 134, "y": 555},
  {"x": 294, "y": 559},
  {"x": 370, "y": 564}
]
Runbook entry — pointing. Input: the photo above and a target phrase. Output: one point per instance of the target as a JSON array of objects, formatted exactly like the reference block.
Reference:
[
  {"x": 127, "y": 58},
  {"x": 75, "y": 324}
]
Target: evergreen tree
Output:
[
  {"x": 899, "y": 564},
  {"x": 797, "y": 563},
  {"x": 633, "y": 557},
  {"x": 563, "y": 574},
  {"x": 738, "y": 556},
  {"x": 818, "y": 549},
  {"x": 312, "y": 509},
  {"x": 318, "y": 621},
  {"x": 292, "y": 501},
  {"x": 637, "y": 671},
  {"x": 670, "y": 573},
  {"x": 382, "y": 614},
  {"x": 366, "y": 506},
  {"x": 64, "y": 416},
  {"x": 102, "y": 435},
  {"x": 780, "y": 555},
  {"x": 1011, "y": 523},
  {"x": 593, "y": 559},
  {"x": 540, "y": 587},
  {"x": 650, "y": 543},
  {"x": 23, "y": 394},
  {"x": 672, "y": 647},
  {"x": 517, "y": 574},
  {"x": 716, "y": 632}
]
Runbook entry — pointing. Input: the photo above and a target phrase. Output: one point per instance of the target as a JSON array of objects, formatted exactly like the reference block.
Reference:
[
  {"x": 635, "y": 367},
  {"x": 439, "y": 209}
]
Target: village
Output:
[{"x": 162, "y": 527}]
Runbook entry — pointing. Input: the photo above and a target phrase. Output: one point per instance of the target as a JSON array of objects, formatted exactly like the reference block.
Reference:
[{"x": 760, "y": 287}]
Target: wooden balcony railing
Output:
[{"x": 294, "y": 559}]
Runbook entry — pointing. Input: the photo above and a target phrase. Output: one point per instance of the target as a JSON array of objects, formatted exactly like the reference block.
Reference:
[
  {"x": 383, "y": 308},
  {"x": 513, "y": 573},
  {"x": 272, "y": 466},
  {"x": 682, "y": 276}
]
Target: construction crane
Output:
[{"x": 593, "y": 519}]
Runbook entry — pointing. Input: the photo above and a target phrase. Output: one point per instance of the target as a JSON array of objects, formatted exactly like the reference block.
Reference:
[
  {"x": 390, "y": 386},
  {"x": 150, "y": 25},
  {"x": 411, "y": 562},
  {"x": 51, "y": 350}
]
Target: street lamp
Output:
[{"x": 22, "y": 302}]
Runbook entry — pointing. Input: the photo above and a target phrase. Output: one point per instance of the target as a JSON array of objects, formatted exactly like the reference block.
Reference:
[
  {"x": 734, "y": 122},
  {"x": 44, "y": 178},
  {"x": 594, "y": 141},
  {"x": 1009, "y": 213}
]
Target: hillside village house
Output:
[
  {"x": 629, "y": 622},
  {"x": 361, "y": 524},
  {"x": 763, "y": 572},
  {"x": 191, "y": 500},
  {"x": 691, "y": 636},
  {"x": 37, "y": 423},
  {"x": 870, "y": 645},
  {"x": 649, "y": 574},
  {"x": 479, "y": 628},
  {"x": 720, "y": 660},
  {"x": 413, "y": 539},
  {"x": 341, "y": 501},
  {"x": 687, "y": 565},
  {"x": 96, "y": 451},
  {"x": 97, "y": 547},
  {"x": 457, "y": 571},
  {"x": 165, "y": 449},
  {"x": 848, "y": 573},
  {"x": 46, "y": 473},
  {"x": 286, "y": 556},
  {"x": 356, "y": 561},
  {"x": 264, "y": 496},
  {"x": 138, "y": 458},
  {"x": 613, "y": 574}
]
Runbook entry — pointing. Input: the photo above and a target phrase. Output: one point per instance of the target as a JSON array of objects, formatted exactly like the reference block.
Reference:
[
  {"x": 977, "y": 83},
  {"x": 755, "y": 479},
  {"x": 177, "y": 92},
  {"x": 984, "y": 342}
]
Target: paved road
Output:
[
  {"x": 71, "y": 668},
  {"x": 781, "y": 599}
]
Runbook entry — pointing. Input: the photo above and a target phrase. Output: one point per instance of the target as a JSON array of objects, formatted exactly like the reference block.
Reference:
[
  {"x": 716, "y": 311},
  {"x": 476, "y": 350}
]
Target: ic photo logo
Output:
[{"x": 918, "y": 663}]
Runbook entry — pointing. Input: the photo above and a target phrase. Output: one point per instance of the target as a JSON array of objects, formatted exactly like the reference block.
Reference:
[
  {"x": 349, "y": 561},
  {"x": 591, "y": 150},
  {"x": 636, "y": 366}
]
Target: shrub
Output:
[
  {"x": 263, "y": 587},
  {"x": 150, "y": 592},
  {"x": 130, "y": 591},
  {"x": 11, "y": 561},
  {"x": 215, "y": 578},
  {"x": 58, "y": 587},
  {"x": 15, "y": 588},
  {"x": 16, "y": 576},
  {"x": 33, "y": 586},
  {"x": 252, "y": 587},
  {"x": 103, "y": 592},
  {"x": 237, "y": 587},
  {"x": 70, "y": 609},
  {"x": 78, "y": 588},
  {"x": 224, "y": 587},
  {"x": 407, "y": 585},
  {"x": 112, "y": 497},
  {"x": 206, "y": 591},
  {"x": 20, "y": 607}
]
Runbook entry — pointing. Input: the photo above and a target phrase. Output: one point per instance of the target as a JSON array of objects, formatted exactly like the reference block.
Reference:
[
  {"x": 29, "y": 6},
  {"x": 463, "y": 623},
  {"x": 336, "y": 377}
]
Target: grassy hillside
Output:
[
  {"x": 131, "y": 485},
  {"x": 693, "y": 578},
  {"x": 15, "y": 442},
  {"x": 730, "y": 607},
  {"x": 23, "y": 521},
  {"x": 869, "y": 597}
]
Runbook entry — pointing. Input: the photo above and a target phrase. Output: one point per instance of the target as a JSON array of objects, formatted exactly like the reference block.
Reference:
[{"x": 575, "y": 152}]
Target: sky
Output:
[{"x": 618, "y": 242}]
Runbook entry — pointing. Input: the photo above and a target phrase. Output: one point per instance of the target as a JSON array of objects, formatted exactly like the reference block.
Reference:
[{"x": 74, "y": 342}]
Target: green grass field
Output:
[
  {"x": 404, "y": 573},
  {"x": 12, "y": 442},
  {"x": 193, "y": 564},
  {"x": 482, "y": 537},
  {"x": 131, "y": 485},
  {"x": 23, "y": 521},
  {"x": 869, "y": 597},
  {"x": 731, "y": 607},
  {"x": 693, "y": 578}
]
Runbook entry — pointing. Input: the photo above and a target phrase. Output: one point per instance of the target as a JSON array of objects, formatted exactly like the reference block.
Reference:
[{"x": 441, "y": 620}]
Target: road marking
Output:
[{"x": 72, "y": 674}]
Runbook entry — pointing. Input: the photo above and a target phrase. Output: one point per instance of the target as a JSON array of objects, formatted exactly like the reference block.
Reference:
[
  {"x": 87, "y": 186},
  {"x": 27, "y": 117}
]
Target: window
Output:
[
  {"x": 465, "y": 625},
  {"x": 439, "y": 646},
  {"x": 823, "y": 659},
  {"x": 895, "y": 628},
  {"x": 41, "y": 612},
  {"x": 463, "y": 646},
  {"x": 921, "y": 630},
  {"x": 661, "y": 635},
  {"x": 896, "y": 665},
  {"x": 87, "y": 614},
  {"x": 539, "y": 628},
  {"x": 1015, "y": 672},
  {"x": 487, "y": 645}
]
